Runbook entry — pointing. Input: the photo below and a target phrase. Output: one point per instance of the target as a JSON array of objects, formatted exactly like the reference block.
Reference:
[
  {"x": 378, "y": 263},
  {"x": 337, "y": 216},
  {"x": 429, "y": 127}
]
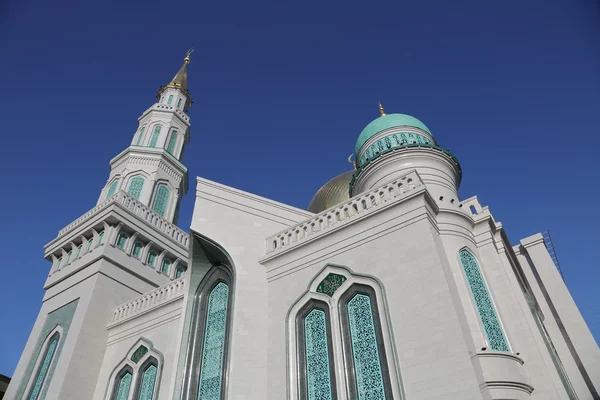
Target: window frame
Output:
[
  {"x": 57, "y": 331},
  {"x": 117, "y": 379}
]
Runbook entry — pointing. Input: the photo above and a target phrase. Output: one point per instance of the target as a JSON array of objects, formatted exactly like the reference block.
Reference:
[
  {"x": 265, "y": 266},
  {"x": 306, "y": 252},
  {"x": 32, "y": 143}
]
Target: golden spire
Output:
[
  {"x": 381, "y": 110},
  {"x": 180, "y": 79}
]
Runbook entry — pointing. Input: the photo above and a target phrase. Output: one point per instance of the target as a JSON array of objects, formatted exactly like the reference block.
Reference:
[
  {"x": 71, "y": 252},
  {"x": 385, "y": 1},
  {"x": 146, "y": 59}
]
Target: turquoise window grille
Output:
[
  {"x": 58, "y": 262},
  {"x": 170, "y": 99},
  {"x": 135, "y": 187},
  {"x": 137, "y": 249},
  {"x": 151, "y": 258},
  {"x": 43, "y": 368},
  {"x": 179, "y": 103},
  {"x": 123, "y": 386},
  {"x": 318, "y": 378},
  {"x": 112, "y": 189},
  {"x": 148, "y": 382},
  {"x": 155, "y": 136},
  {"x": 491, "y": 323},
  {"x": 166, "y": 265},
  {"x": 161, "y": 199},
  {"x": 140, "y": 137},
  {"x": 68, "y": 258},
  {"x": 179, "y": 272},
  {"x": 78, "y": 250},
  {"x": 100, "y": 237},
  {"x": 122, "y": 240},
  {"x": 89, "y": 244},
  {"x": 172, "y": 143},
  {"x": 365, "y": 350},
  {"x": 139, "y": 353},
  {"x": 211, "y": 367}
]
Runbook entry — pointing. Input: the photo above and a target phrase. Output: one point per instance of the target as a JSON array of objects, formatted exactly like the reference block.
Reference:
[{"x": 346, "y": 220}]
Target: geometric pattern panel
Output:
[
  {"x": 124, "y": 385},
  {"x": 483, "y": 301},
  {"x": 172, "y": 142},
  {"x": 367, "y": 369},
  {"x": 317, "y": 356},
  {"x": 155, "y": 136},
  {"x": 43, "y": 370},
  {"x": 135, "y": 187},
  {"x": 140, "y": 137},
  {"x": 165, "y": 267},
  {"x": 139, "y": 353},
  {"x": 161, "y": 200},
  {"x": 137, "y": 249},
  {"x": 148, "y": 381},
  {"x": 112, "y": 189},
  {"x": 214, "y": 344},
  {"x": 122, "y": 240},
  {"x": 330, "y": 284}
]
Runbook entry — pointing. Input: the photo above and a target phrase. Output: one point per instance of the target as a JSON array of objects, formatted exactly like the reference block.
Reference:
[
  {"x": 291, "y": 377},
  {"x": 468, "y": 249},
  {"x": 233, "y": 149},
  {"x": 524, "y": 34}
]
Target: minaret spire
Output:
[
  {"x": 180, "y": 79},
  {"x": 381, "y": 110}
]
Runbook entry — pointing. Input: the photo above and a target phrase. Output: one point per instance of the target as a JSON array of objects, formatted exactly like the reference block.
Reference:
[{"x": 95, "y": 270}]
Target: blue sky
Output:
[{"x": 282, "y": 92}]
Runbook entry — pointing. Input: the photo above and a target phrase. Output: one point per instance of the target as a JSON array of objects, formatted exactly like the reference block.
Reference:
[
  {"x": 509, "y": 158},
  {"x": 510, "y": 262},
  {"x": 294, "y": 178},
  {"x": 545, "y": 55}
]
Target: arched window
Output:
[
  {"x": 170, "y": 99},
  {"x": 145, "y": 388},
  {"x": 161, "y": 199},
  {"x": 68, "y": 258},
  {"x": 151, "y": 258},
  {"x": 166, "y": 265},
  {"x": 179, "y": 272},
  {"x": 208, "y": 347},
  {"x": 89, "y": 244},
  {"x": 483, "y": 302},
  {"x": 137, "y": 249},
  {"x": 44, "y": 365},
  {"x": 58, "y": 262},
  {"x": 100, "y": 237},
  {"x": 78, "y": 250},
  {"x": 122, "y": 240},
  {"x": 172, "y": 143},
  {"x": 123, "y": 384},
  {"x": 366, "y": 364},
  {"x": 140, "y": 137},
  {"x": 112, "y": 188},
  {"x": 135, "y": 187},
  {"x": 155, "y": 136},
  {"x": 315, "y": 354},
  {"x": 179, "y": 103}
]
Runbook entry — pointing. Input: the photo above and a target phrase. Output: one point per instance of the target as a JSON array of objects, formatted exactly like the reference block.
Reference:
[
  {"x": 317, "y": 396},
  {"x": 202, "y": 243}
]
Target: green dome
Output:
[{"x": 385, "y": 122}]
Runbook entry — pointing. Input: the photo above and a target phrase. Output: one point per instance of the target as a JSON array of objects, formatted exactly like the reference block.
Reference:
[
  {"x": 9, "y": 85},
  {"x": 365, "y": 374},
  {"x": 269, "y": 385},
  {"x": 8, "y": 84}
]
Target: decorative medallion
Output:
[{"x": 330, "y": 284}]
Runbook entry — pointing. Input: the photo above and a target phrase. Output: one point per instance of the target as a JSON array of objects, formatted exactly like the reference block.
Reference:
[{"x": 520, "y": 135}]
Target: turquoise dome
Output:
[{"x": 385, "y": 122}]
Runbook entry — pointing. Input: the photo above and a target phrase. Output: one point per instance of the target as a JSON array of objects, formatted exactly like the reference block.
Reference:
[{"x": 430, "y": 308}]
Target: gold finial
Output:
[
  {"x": 187, "y": 56},
  {"x": 381, "y": 110}
]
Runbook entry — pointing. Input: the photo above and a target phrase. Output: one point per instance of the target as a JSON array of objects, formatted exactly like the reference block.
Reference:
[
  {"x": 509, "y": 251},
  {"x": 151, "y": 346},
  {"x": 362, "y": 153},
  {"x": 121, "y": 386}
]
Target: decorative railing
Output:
[
  {"x": 150, "y": 300},
  {"x": 139, "y": 209},
  {"x": 170, "y": 107},
  {"x": 341, "y": 214}
]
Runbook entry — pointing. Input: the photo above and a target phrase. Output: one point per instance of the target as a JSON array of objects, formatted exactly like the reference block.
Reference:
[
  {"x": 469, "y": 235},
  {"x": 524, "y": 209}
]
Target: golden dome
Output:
[{"x": 333, "y": 192}]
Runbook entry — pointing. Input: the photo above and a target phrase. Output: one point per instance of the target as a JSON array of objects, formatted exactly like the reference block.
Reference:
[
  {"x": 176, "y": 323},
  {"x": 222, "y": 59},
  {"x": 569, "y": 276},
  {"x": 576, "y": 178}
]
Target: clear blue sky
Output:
[{"x": 281, "y": 93}]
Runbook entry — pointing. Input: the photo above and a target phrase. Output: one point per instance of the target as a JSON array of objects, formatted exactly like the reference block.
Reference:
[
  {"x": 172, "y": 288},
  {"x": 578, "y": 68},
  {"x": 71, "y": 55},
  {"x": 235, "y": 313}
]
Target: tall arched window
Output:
[
  {"x": 161, "y": 199},
  {"x": 208, "y": 347},
  {"x": 90, "y": 242},
  {"x": 123, "y": 384},
  {"x": 145, "y": 388},
  {"x": 179, "y": 102},
  {"x": 170, "y": 99},
  {"x": 138, "y": 375},
  {"x": 100, "y": 238},
  {"x": 155, "y": 136},
  {"x": 135, "y": 187},
  {"x": 122, "y": 240},
  {"x": 179, "y": 272},
  {"x": 166, "y": 266},
  {"x": 140, "y": 137},
  {"x": 68, "y": 259},
  {"x": 137, "y": 249},
  {"x": 78, "y": 250},
  {"x": 151, "y": 258},
  {"x": 315, "y": 354},
  {"x": 44, "y": 365},
  {"x": 491, "y": 323},
  {"x": 112, "y": 188},
  {"x": 172, "y": 143}
]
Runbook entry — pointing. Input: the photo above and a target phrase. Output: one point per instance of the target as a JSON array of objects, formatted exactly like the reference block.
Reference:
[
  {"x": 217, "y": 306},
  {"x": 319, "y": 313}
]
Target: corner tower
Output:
[
  {"x": 394, "y": 144},
  {"x": 150, "y": 169}
]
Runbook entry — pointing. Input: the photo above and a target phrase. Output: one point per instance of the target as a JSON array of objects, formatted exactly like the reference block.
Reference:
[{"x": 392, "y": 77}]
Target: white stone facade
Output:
[{"x": 135, "y": 308}]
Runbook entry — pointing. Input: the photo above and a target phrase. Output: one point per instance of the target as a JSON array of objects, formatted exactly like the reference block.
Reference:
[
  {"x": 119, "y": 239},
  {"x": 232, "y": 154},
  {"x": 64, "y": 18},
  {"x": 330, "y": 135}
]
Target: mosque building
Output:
[{"x": 390, "y": 286}]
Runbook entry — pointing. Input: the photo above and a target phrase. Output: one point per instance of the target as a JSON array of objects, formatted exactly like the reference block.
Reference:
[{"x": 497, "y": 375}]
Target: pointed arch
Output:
[
  {"x": 112, "y": 189},
  {"x": 484, "y": 304},
  {"x": 46, "y": 358},
  {"x": 161, "y": 199},
  {"x": 140, "y": 136},
  {"x": 172, "y": 142},
  {"x": 155, "y": 136},
  {"x": 136, "y": 185}
]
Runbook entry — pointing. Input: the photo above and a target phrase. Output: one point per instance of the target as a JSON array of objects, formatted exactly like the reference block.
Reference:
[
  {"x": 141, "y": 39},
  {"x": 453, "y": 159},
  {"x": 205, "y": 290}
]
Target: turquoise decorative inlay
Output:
[
  {"x": 135, "y": 187},
  {"x": 124, "y": 386},
  {"x": 112, "y": 189},
  {"x": 68, "y": 258},
  {"x": 139, "y": 353},
  {"x": 172, "y": 142},
  {"x": 89, "y": 244},
  {"x": 166, "y": 264},
  {"x": 214, "y": 344},
  {"x": 386, "y": 122},
  {"x": 483, "y": 301},
  {"x": 155, "y": 136},
  {"x": 43, "y": 370},
  {"x": 148, "y": 381},
  {"x": 330, "y": 284},
  {"x": 369, "y": 378},
  {"x": 392, "y": 141},
  {"x": 152, "y": 258},
  {"x": 140, "y": 137},
  {"x": 137, "y": 249},
  {"x": 179, "y": 272},
  {"x": 122, "y": 240},
  {"x": 317, "y": 356},
  {"x": 78, "y": 250},
  {"x": 161, "y": 199},
  {"x": 170, "y": 99}
]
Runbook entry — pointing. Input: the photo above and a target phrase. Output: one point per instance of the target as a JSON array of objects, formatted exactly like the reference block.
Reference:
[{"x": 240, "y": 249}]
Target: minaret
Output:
[{"x": 150, "y": 169}]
